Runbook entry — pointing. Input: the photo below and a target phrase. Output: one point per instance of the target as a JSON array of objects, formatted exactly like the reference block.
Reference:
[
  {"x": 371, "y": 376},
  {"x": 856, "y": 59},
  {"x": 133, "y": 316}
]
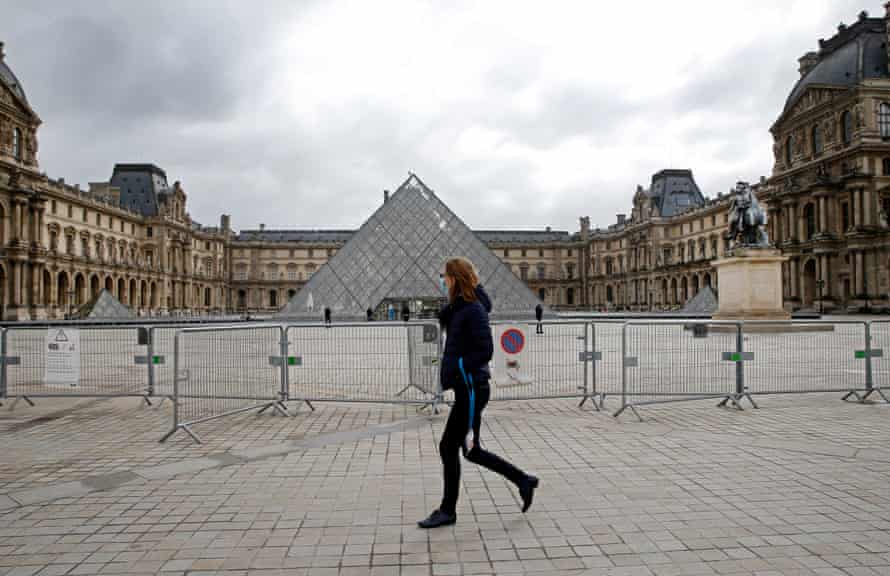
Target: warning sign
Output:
[
  {"x": 509, "y": 362},
  {"x": 62, "y": 353}
]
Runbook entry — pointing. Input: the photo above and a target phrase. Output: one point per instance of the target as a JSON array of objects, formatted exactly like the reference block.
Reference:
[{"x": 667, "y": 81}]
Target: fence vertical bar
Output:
[
  {"x": 175, "y": 391},
  {"x": 869, "y": 382},
  {"x": 586, "y": 357},
  {"x": 3, "y": 368},
  {"x": 150, "y": 351},
  {"x": 623, "y": 371},
  {"x": 284, "y": 392},
  {"x": 739, "y": 365}
]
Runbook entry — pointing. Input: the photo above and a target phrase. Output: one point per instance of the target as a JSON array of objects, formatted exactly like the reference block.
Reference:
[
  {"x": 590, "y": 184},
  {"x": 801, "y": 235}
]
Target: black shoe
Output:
[
  {"x": 438, "y": 518},
  {"x": 527, "y": 491}
]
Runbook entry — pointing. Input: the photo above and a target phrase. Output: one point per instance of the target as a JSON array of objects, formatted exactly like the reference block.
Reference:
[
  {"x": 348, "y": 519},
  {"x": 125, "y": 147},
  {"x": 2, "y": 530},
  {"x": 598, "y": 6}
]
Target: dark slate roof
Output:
[
  {"x": 140, "y": 185},
  {"x": 10, "y": 80},
  {"x": 317, "y": 236},
  {"x": 854, "y": 54},
  {"x": 674, "y": 191},
  {"x": 522, "y": 236}
]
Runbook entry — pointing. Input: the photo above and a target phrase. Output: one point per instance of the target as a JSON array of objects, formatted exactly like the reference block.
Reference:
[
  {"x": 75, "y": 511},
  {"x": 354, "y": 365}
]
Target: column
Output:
[
  {"x": 16, "y": 283},
  {"x": 859, "y": 275},
  {"x": 866, "y": 206},
  {"x": 795, "y": 278},
  {"x": 857, "y": 206},
  {"x": 16, "y": 219},
  {"x": 826, "y": 274},
  {"x": 36, "y": 289},
  {"x": 823, "y": 216}
]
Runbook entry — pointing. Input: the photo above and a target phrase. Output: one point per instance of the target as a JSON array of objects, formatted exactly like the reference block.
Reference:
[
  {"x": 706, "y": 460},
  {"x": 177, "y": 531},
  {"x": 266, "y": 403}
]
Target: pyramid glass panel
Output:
[{"x": 393, "y": 261}]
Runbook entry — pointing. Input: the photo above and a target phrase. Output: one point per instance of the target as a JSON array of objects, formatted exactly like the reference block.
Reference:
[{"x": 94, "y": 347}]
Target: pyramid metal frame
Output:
[
  {"x": 104, "y": 306},
  {"x": 397, "y": 254}
]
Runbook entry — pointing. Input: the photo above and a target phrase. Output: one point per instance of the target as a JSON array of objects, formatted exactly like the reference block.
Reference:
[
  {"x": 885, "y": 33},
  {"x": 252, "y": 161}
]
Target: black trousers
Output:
[{"x": 452, "y": 444}]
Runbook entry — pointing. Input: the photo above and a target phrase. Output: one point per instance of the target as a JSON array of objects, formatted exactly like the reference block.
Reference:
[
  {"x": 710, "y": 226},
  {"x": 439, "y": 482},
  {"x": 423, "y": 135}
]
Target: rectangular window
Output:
[
  {"x": 311, "y": 251},
  {"x": 122, "y": 226},
  {"x": 98, "y": 219},
  {"x": 53, "y": 207},
  {"x": 149, "y": 232},
  {"x": 523, "y": 252},
  {"x": 570, "y": 252},
  {"x": 506, "y": 253},
  {"x": 84, "y": 214},
  {"x": 845, "y": 216},
  {"x": 541, "y": 253}
]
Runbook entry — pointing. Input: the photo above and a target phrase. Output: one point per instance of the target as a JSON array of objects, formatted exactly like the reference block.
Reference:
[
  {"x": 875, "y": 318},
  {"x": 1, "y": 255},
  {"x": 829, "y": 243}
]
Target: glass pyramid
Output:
[{"x": 393, "y": 261}]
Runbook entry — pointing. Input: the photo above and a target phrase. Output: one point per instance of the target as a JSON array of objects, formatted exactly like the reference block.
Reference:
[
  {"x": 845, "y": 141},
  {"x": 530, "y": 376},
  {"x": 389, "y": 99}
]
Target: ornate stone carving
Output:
[
  {"x": 828, "y": 130},
  {"x": 859, "y": 116}
]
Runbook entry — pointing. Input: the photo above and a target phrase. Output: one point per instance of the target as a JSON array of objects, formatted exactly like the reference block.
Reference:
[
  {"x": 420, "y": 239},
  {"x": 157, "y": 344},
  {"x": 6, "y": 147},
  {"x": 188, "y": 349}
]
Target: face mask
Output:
[{"x": 442, "y": 285}]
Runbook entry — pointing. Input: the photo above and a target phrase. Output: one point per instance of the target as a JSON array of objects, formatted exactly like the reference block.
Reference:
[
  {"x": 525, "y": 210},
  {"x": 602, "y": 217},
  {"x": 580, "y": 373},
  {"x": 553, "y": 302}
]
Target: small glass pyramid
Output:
[{"x": 393, "y": 261}]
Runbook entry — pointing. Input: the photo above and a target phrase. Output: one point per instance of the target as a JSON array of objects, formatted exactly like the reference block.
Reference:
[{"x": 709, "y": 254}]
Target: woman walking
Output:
[{"x": 468, "y": 350}]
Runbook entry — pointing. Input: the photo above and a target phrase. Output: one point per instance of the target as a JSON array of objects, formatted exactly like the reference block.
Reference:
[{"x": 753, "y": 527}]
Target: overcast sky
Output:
[{"x": 300, "y": 114}]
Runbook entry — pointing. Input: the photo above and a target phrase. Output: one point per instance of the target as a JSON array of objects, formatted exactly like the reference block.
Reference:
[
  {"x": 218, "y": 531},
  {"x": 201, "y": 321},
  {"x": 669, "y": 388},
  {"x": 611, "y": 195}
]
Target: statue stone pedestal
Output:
[{"x": 750, "y": 284}]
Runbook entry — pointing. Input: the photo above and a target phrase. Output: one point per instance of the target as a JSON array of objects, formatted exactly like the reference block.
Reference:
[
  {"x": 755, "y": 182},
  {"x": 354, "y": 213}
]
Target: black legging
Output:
[{"x": 452, "y": 444}]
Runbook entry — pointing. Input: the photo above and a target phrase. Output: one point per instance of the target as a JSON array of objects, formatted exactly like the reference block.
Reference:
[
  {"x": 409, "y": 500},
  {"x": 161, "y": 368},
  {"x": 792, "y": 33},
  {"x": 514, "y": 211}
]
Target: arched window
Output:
[
  {"x": 17, "y": 144},
  {"x": 273, "y": 298},
  {"x": 846, "y": 127},
  {"x": 816, "y": 137},
  {"x": 885, "y": 164},
  {"x": 810, "y": 216},
  {"x": 789, "y": 144},
  {"x": 884, "y": 120},
  {"x": 570, "y": 296}
]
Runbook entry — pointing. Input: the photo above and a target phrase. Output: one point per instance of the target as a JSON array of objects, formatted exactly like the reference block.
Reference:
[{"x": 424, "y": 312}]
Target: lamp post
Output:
[{"x": 821, "y": 284}]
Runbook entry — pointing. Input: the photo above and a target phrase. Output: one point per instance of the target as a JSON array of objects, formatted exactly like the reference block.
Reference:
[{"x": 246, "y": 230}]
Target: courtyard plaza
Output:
[{"x": 799, "y": 487}]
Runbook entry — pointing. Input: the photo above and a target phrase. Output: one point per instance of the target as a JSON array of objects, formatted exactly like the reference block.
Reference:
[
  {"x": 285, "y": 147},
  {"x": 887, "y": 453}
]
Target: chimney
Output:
[
  {"x": 2, "y": 52},
  {"x": 262, "y": 227},
  {"x": 225, "y": 221},
  {"x": 547, "y": 229},
  {"x": 385, "y": 196},
  {"x": 622, "y": 218},
  {"x": 807, "y": 62},
  {"x": 585, "y": 227}
]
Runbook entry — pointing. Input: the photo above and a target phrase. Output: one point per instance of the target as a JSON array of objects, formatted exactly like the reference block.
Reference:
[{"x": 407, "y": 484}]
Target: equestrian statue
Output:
[{"x": 747, "y": 220}]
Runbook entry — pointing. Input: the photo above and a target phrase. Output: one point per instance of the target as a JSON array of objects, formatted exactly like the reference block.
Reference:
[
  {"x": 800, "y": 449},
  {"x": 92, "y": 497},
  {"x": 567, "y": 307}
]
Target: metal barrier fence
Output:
[
  {"x": 72, "y": 361},
  {"x": 215, "y": 370},
  {"x": 673, "y": 361},
  {"x": 220, "y": 371},
  {"x": 383, "y": 362},
  {"x": 677, "y": 361},
  {"x": 879, "y": 340},
  {"x": 541, "y": 360}
]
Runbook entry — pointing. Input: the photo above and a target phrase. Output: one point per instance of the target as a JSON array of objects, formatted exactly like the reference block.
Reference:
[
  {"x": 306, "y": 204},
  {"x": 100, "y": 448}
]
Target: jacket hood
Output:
[{"x": 482, "y": 295}]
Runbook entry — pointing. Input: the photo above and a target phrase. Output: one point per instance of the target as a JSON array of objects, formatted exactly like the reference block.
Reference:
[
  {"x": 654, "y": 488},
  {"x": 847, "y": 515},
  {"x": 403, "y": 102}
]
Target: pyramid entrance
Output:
[{"x": 394, "y": 260}]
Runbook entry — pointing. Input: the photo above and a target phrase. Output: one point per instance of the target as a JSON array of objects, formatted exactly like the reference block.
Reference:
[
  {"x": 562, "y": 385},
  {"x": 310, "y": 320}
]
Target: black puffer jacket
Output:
[{"x": 468, "y": 337}]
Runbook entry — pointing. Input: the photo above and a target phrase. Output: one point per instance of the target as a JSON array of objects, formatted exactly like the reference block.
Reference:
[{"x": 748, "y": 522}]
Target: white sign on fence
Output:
[
  {"x": 509, "y": 363},
  {"x": 62, "y": 352}
]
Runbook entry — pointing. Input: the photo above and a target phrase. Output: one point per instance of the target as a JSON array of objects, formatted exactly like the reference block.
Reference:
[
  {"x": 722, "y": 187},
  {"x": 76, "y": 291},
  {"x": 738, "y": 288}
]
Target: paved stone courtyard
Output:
[{"x": 801, "y": 486}]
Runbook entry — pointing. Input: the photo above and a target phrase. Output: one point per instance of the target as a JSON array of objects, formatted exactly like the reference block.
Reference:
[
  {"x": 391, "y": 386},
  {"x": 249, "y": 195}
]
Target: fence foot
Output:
[
  {"x": 16, "y": 401},
  {"x": 190, "y": 433},
  {"x": 147, "y": 401},
  {"x": 308, "y": 403},
  {"x": 632, "y": 409},
  {"x": 602, "y": 401},
  {"x": 281, "y": 408},
  {"x": 852, "y": 393},
  {"x": 408, "y": 387},
  {"x": 168, "y": 434},
  {"x": 731, "y": 398},
  {"x": 592, "y": 401},
  {"x": 180, "y": 427},
  {"x": 751, "y": 400},
  {"x": 880, "y": 393}
]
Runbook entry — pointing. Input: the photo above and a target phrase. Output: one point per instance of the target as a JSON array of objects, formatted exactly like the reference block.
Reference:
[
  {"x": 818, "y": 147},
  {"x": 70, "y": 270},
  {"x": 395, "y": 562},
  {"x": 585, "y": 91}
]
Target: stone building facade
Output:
[
  {"x": 828, "y": 200},
  {"x": 829, "y": 194}
]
